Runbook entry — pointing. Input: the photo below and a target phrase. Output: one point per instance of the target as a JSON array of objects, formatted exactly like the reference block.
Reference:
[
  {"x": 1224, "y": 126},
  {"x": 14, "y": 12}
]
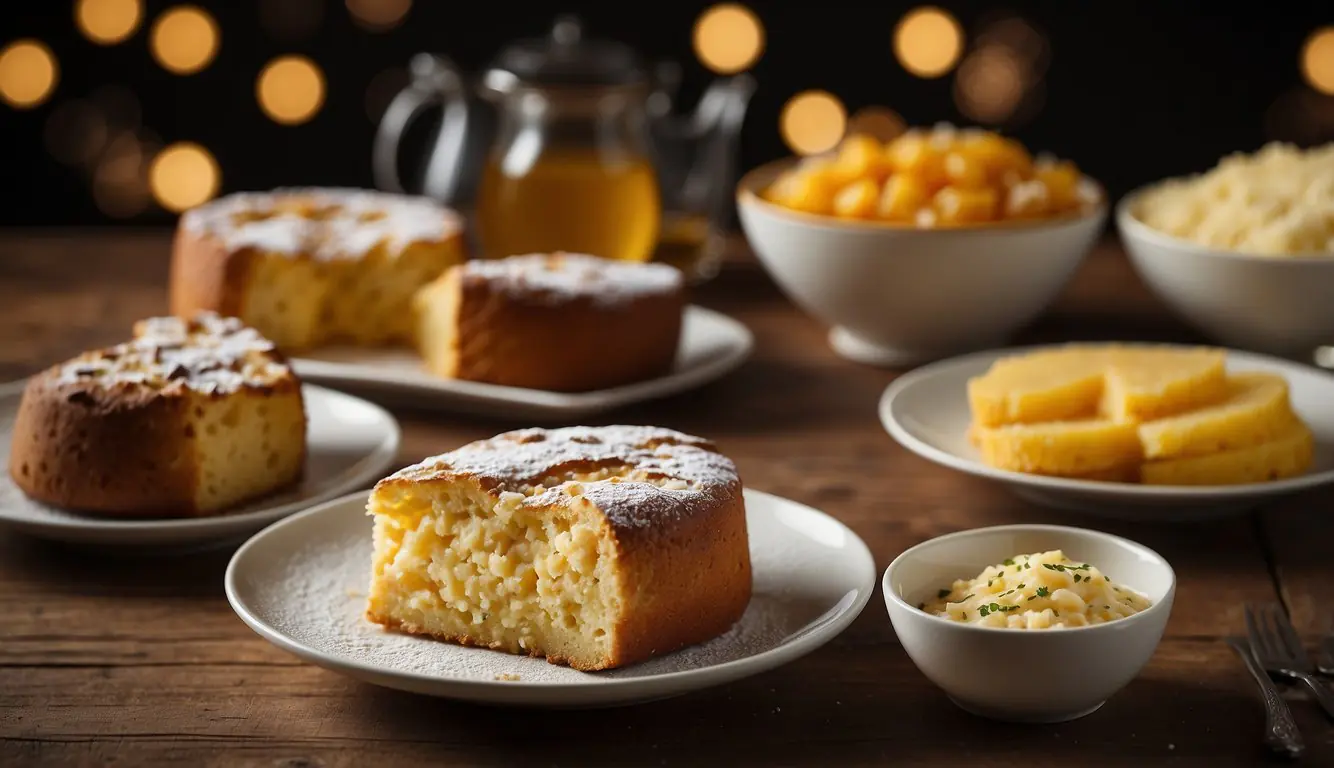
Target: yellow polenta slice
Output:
[
  {"x": 1286, "y": 456},
  {"x": 1149, "y": 382},
  {"x": 1091, "y": 447},
  {"x": 1255, "y": 410},
  {"x": 1049, "y": 385}
]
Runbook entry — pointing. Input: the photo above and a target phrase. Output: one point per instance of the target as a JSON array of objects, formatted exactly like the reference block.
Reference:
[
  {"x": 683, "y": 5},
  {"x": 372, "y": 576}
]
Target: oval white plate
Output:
[
  {"x": 301, "y": 585},
  {"x": 927, "y": 412},
  {"x": 350, "y": 444},
  {"x": 712, "y": 345}
]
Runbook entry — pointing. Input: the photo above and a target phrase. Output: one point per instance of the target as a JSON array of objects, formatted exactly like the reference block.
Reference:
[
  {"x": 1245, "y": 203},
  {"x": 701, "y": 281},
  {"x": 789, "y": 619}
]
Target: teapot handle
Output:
[{"x": 435, "y": 81}]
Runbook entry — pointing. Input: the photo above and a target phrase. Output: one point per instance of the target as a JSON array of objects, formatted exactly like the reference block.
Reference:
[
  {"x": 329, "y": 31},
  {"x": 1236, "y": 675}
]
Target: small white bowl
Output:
[
  {"x": 897, "y": 295},
  {"x": 1276, "y": 304},
  {"x": 1017, "y": 675}
]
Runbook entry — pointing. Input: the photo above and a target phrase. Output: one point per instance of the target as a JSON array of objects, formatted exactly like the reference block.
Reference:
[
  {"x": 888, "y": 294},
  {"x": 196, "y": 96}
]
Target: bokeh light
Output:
[
  {"x": 1318, "y": 60},
  {"x": 290, "y": 89},
  {"x": 76, "y": 132},
  {"x": 291, "y": 20},
  {"x": 379, "y": 15},
  {"x": 183, "y": 176},
  {"x": 184, "y": 39},
  {"x": 990, "y": 85},
  {"x": 382, "y": 90},
  {"x": 120, "y": 186},
  {"x": 28, "y": 73},
  {"x": 1029, "y": 46},
  {"x": 813, "y": 122},
  {"x": 729, "y": 38},
  {"x": 928, "y": 41},
  {"x": 881, "y": 122},
  {"x": 118, "y": 105},
  {"x": 108, "y": 22}
]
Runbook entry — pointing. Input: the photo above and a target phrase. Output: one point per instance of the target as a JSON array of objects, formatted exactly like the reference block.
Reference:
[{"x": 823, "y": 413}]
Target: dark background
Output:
[{"x": 1133, "y": 91}]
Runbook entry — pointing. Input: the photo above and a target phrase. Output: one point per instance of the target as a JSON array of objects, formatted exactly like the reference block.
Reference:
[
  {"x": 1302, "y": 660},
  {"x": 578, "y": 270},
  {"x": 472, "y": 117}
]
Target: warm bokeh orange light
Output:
[
  {"x": 1318, "y": 60},
  {"x": 928, "y": 41},
  {"x": 379, "y": 15},
  {"x": 184, "y": 39},
  {"x": 183, "y": 176},
  {"x": 813, "y": 122},
  {"x": 990, "y": 85},
  {"x": 290, "y": 89},
  {"x": 28, "y": 73},
  {"x": 107, "y": 22},
  {"x": 729, "y": 38},
  {"x": 119, "y": 188},
  {"x": 881, "y": 122}
]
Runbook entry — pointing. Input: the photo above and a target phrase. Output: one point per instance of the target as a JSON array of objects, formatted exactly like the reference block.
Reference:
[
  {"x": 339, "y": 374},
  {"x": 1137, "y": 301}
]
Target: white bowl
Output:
[
  {"x": 1036, "y": 676},
  {"x": 898, "y": 295},
  {"x": 1275, "y": 304}
]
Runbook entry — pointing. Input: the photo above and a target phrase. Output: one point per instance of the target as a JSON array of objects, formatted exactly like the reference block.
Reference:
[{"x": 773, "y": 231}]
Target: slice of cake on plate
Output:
[
  {"x": 310, "y": 267},
  {"x": 189, "y": 418},
  {"x": 562, "y": 322},
  {"x": 592, "y": 547}
]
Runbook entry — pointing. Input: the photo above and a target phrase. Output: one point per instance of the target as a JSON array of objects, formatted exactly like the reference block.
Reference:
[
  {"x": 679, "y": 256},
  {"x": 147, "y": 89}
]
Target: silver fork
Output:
[
  {"x": 1281, "y": 734},
  {"x": 1279, "y": 650}
]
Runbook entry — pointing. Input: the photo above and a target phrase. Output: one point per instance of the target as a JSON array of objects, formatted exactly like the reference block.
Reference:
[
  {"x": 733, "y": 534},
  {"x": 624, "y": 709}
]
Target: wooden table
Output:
[{"x": 141, "y": 662}]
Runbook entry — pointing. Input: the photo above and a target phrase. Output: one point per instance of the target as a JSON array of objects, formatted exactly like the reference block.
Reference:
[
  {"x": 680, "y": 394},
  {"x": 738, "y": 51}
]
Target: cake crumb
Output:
[{"x": 507, "y": 676}]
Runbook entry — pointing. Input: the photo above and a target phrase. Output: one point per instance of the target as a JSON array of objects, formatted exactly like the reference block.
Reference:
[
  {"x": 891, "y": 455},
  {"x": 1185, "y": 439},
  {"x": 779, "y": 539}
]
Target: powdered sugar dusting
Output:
[
  {"x": 207, "y": 353},
  {"x": 322, "y": 223},
  {"x": 557, "y": 278},
  {"x": 313, "y": 595},
  {"x": 653, "y": 474}
]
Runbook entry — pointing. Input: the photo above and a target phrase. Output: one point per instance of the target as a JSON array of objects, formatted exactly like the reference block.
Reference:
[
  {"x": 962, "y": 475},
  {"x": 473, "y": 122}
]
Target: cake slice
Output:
[
  {"x": 190, "y": 418},
  {"x": 1049, "y": 385},
  {"x": 592, "y": 547},
  {"x": 1091, "y": 447},
  {"x": 562, "y": 322},
  {"x": 1255, "y": 410},
  {"x": 1288, "y": 455},
  {"x": 1148, "y": 382}
]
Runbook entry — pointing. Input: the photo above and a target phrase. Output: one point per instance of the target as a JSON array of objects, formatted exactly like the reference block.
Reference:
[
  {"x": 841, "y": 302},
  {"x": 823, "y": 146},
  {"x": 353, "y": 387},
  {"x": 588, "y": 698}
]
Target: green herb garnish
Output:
[{"x": 1043, "y": 592}]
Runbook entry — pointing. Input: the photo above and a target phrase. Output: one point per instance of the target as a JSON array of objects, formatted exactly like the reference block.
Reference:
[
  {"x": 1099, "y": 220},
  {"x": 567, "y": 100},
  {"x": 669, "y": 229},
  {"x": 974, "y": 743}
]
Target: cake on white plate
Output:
[
  {"x": 561, "y": 321},
  {"x": 189, "y": 418},
  {"x": 311, "y": 267},
  {"x": 594, "y": 547}
]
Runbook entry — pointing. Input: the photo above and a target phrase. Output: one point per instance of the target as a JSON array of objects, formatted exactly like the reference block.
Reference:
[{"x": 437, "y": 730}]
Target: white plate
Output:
[
  {"x": 301, "y": 585},
  {"x": 927, "y": 412},
  {"x": 350, "y": 444},
  {"x": 712, "y": 345}
]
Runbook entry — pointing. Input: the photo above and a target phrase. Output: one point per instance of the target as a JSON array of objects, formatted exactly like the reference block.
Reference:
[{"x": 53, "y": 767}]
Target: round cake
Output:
[
  {"x": 561, "y": 321},
  {"x": 590, "y": 546},
  {"x": 310, "y": 267},
  {"x": 190, "y": 418}
]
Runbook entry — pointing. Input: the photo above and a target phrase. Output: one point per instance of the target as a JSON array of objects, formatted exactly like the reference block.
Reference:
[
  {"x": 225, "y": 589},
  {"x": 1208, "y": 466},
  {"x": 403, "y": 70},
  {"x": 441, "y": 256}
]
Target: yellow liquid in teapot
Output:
[{"x": 570, "y": 201}]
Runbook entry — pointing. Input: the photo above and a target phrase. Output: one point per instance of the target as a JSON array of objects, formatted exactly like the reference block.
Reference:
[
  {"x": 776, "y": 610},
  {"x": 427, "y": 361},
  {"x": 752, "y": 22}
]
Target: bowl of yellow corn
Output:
[{"x": 938, "y": 242}]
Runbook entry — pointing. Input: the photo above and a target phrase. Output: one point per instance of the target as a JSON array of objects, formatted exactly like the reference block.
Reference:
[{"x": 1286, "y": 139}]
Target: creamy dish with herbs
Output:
[{"x": 1046, "y": 590}]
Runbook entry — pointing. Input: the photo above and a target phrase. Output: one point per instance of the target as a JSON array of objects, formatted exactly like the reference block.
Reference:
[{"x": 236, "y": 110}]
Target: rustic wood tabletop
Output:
[{"x": 140, "y": 661}]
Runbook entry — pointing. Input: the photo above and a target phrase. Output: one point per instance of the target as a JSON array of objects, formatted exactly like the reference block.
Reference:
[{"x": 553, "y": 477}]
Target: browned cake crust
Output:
[
  {"x": 286, "y": 261},
  {"x": 559, "y": 322},
  {"x": 675, "y": 513},
  {"x": 114, "y": 431}
]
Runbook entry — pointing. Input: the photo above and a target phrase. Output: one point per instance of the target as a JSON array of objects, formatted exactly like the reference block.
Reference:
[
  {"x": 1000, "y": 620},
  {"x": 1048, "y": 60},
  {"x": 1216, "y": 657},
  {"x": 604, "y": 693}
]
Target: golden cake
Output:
[
  {"x": 563, "y": 322},
  {"x": 593, "y": 547},
  {"x": 189, "y": 418},
  {"x": 309, "y": 267}
]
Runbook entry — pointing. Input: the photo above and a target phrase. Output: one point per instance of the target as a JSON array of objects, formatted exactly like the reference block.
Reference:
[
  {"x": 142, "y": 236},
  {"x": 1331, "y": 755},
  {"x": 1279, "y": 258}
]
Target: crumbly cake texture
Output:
[
  {"x": 188, "y": 418},
  {"x": 309, "y": 267},
  {"x": 560, "y": 322},
  {"x": 592, "y": 547}
]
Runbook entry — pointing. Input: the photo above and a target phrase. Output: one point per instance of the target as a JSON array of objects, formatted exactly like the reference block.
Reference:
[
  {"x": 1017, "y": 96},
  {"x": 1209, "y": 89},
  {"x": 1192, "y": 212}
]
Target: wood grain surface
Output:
[{"x": 108, "y": 659}]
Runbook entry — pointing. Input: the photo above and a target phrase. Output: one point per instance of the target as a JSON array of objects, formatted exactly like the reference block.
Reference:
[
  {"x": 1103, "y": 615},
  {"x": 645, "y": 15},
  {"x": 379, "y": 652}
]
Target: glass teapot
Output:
[{"x": 572, "y": 144}]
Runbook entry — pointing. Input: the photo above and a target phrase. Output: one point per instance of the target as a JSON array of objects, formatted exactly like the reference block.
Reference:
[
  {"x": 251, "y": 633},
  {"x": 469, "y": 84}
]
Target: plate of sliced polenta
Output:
[{"x": 1135, "y": 431}]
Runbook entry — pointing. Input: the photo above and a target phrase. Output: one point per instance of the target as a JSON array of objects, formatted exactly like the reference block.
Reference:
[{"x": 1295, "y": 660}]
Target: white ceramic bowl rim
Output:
[
  {"x": 1134, "y": 546},
  {"x": 746, "y": 194},
  {"x": 1130, "y": 224}
]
